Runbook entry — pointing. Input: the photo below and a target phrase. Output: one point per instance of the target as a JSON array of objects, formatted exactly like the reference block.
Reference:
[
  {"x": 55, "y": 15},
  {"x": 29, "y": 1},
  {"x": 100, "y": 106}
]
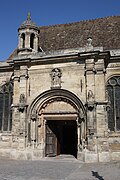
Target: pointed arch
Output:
[
  {"x": 6, "y": 93},
  {"x": 113, "y": 91}
]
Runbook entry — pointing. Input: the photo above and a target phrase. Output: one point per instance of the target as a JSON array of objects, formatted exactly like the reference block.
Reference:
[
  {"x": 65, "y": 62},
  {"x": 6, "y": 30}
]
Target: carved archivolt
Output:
[
  {"x": 50, "y": 99},
  {"x": 58, "y": 105},
  {"x": 55, "y": 102}
]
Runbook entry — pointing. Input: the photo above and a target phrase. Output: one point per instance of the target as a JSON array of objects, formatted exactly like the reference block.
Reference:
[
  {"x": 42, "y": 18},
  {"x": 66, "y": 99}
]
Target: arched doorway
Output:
[
  {"x": 56, "y": 122},
  {"x": 61, "y": 138}
]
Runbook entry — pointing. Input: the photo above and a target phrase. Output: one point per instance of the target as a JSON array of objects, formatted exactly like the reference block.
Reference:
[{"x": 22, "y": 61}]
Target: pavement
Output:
[{"x": 61, "y": 168}]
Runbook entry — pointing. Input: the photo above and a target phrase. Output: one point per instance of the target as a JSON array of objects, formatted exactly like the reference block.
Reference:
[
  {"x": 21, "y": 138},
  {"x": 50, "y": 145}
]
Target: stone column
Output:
[
  {"x": 44, "y": 138},
  {"x": 27, "y": 40},
  {"x": 19, "y": 41},
  {"x": 36, "y": 43},
  {"x": 33, "y": 130},
  {"x": 40, "y": 125},
  {"x": 78, "y": 133}
]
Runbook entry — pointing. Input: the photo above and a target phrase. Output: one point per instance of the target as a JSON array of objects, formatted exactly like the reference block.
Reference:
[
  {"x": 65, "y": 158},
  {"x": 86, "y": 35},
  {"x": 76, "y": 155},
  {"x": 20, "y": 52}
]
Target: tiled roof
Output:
[{"x": 104, "y": 32}]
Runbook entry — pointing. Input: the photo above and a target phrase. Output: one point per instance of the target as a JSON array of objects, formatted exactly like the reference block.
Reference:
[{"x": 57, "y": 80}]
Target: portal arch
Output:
[
  {"x": 47, "y": 96},
  {"x": 52, "y": 112}
]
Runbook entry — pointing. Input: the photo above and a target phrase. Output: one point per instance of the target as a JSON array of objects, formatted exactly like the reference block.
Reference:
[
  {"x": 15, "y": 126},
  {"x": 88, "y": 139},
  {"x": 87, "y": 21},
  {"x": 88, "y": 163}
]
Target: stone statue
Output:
[
  {"x": 89, "y": 46},
  {"x": 90, "y": 95},
  {"x": 22, "y": 99},
  {"x": 56, "y": 77}
]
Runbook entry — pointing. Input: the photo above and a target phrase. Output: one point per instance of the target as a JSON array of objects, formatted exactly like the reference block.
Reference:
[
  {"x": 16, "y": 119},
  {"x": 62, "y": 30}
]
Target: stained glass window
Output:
[
  {"x": 113, "y": 88},
  {"x": 6, "y": 93}
]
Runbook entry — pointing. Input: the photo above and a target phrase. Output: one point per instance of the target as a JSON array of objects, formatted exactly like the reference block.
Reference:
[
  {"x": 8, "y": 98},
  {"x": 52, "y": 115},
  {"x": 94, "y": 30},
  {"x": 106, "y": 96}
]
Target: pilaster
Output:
[
  {"x": 19, "y": 105},
  {"x": 90, "y": 94},
  {"x": 100, "y": 94}
]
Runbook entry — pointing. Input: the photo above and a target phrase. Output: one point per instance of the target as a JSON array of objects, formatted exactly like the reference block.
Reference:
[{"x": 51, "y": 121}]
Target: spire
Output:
[
  {"x": 28, "y": 22},
  {"x": 29, "y": 16}
]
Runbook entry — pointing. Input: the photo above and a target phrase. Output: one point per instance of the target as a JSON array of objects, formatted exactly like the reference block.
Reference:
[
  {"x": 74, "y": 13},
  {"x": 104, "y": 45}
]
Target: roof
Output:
[
  {"x": 28, "y": 23},
  {"x": 104, "y": 32}
]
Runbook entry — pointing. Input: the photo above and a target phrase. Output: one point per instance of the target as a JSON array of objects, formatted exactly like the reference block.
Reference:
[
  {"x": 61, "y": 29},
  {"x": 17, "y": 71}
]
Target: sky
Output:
[{"x": 47, "y": 12}]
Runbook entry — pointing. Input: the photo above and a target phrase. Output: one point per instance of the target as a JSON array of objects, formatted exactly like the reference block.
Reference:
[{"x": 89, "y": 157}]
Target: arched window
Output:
[
  {"x": 113, "y": 88},
  {"x": 23, "y": 40},
  {"x": 6, "y": 93},
  {"x": 32, "y": 37}
]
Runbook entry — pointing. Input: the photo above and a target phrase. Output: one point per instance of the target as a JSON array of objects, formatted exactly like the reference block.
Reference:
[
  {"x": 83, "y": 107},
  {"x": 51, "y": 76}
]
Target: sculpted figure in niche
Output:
[
  {"x": 56, "y": 78},
  {"x": 22, "y": 99},
  {"x": 90, "y": 96}
]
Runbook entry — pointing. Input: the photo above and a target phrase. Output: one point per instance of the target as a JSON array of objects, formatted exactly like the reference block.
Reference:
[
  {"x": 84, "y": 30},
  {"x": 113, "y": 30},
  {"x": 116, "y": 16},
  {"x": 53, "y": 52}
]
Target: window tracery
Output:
[
  {"x": 113, "y": 88},
  {"x": 6, "y": 93}
]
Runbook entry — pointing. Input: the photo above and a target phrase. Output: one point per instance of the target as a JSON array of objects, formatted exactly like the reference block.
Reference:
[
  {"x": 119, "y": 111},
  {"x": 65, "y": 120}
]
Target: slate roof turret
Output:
[{"x": 105, "y": 32}]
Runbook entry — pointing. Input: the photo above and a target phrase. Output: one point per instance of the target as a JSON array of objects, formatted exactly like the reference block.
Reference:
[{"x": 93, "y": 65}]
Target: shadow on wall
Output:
[{"x": 95, "y": 174}]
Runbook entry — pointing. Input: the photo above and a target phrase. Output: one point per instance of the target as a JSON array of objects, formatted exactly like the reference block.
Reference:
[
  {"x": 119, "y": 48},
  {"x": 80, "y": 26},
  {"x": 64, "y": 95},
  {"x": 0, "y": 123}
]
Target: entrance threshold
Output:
[
  {"x": 62, "y": 157},
  {"x": 65, "y": 156}
]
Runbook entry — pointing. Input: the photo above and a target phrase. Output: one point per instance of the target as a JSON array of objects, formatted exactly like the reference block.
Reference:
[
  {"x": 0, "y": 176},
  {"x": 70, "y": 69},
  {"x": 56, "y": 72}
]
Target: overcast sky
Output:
[{"x": 47, "y": 12}]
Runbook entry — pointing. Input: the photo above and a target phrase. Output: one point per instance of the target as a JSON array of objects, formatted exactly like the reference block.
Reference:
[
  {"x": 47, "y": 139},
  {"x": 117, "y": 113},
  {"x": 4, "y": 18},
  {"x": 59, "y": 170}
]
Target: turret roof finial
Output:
[
  {"x": 28, "y": 22},
  {"x": 29, "y": 16}
]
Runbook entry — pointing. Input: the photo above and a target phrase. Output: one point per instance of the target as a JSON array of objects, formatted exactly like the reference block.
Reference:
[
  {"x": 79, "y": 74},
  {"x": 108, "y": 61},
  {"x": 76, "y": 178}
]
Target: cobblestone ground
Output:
[{"x": 57, "y": 169}]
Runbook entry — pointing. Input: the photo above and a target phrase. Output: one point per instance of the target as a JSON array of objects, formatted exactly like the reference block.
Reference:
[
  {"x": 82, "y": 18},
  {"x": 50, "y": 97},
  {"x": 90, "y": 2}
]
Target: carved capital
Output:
[
  {"x": 33, "y": 117},
  {"x": 90, "y": 105},
  {"x": 21, "y": 107},
  {"x": 16, "y": 78},
  {"x": 91, "y": 131}
]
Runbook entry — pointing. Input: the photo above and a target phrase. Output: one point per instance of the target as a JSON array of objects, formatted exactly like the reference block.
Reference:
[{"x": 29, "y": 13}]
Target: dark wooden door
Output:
[{"x": 51, "y": 140}]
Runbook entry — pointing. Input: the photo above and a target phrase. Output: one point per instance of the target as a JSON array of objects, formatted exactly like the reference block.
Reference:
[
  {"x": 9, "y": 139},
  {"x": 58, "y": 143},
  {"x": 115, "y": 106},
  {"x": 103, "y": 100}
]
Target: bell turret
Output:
[{"x": 28, "y": 37}]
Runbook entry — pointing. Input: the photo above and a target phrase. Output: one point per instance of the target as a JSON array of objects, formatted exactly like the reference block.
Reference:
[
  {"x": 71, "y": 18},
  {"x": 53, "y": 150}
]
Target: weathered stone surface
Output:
[{"x": 59, "y": 103}]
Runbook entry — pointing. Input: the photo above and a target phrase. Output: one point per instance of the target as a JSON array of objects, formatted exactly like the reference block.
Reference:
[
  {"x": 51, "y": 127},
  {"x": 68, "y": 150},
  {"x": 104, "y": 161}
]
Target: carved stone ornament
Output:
[
  {"x": 33, "y": 117},
  {"x": 55, "y": 78},
  {"x": 89, "y": 41},
  {"x": 81, "y": 115},
  {"x": 21, "y": 108},
  {"x": 22, "y": 99},
  {"x": 90, "y": 95},
  {"x": 22, "y": 103},
  {"x": 89, "y": 46},
  {"x": 90, "y": 106}
]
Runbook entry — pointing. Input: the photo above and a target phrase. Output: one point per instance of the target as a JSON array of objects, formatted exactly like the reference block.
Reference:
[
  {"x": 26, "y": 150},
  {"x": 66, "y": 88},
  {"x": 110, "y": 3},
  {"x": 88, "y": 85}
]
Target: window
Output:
[
  {"x": 23, "y": 40},
  {"x": 113, "y": 88},
  {"x": 6, "y": 93},
  {"x": 32, "y": 37}
]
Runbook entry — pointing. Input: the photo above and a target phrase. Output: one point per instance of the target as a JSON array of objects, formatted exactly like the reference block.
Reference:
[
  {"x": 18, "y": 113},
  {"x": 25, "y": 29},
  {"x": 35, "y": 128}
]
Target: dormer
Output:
[{"x": 28, "y": 37}]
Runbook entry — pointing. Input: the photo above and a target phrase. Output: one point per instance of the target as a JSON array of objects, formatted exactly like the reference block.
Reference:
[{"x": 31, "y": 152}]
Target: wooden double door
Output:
[{"x": 61, "y": 137}]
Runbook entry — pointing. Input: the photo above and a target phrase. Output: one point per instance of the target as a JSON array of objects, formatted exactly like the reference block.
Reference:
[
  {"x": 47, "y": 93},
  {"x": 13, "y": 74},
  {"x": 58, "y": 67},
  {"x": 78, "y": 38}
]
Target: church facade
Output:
[{"x": 60, "y": 92}]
